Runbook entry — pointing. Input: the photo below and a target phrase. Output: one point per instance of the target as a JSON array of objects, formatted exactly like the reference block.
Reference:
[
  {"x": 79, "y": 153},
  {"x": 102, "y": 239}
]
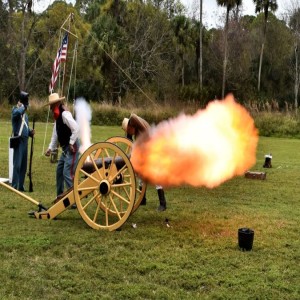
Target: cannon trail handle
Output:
[{"x": 20, "y": 194}]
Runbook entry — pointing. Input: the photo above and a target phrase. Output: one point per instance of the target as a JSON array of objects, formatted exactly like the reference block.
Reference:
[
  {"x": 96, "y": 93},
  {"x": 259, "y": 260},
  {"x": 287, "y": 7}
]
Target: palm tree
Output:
[
  {"x": 265, "y": 6},
  {"x": 182, "y": 30},
  {"x": 229, "y": 4}
]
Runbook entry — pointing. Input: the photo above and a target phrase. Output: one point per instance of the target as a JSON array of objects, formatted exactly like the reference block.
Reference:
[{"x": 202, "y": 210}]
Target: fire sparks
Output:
[{"x": 205, "y": 149}]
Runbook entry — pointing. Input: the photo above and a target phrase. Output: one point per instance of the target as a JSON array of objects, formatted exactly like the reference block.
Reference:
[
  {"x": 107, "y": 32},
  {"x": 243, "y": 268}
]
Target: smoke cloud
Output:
[
  {"x": 204, "y": 149},
  {"x": 83, "y": 115}
]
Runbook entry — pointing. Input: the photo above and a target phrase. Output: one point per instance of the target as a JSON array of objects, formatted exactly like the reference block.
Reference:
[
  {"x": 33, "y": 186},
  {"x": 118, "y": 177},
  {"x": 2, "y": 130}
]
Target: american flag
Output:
[{"x": 61, "y": 56}]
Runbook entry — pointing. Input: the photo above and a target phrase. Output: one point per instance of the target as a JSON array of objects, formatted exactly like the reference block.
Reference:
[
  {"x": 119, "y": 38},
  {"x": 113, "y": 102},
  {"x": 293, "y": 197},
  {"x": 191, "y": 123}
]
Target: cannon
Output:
[{"x": 106, "y": 189}]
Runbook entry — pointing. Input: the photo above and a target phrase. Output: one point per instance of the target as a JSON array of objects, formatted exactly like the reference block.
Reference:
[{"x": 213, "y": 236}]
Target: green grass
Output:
[{"x": 196, "y": 258}]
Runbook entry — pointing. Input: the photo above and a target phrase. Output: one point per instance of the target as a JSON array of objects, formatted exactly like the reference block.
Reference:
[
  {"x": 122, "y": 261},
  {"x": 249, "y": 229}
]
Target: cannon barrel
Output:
[{"x": 89, "y": 167}]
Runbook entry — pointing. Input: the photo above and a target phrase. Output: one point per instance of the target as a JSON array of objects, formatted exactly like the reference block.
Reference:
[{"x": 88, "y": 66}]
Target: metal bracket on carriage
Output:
[
  {"x": 42, "y": 209},
  {"x": 59, "y": 197}
]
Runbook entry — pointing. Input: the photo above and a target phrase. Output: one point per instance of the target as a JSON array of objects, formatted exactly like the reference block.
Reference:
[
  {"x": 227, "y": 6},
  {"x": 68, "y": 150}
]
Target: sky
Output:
[
  {"x": 212, "y": 13},
  {"x": 41, "y": 5}
]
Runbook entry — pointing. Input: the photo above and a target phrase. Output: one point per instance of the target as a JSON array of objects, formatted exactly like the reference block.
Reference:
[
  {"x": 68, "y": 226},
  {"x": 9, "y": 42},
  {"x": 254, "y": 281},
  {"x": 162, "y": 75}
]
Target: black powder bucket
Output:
[{"x": 245, "y": 237}]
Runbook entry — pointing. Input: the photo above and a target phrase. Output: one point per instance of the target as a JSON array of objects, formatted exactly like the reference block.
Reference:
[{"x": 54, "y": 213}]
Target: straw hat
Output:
[
  {"x": 54, "y": 98},
  {"x": 125, "y": 124}
]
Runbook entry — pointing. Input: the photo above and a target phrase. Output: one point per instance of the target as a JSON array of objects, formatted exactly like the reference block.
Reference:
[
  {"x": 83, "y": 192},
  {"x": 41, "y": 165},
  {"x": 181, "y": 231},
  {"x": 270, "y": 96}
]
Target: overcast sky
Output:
[
  {"x": 41, "y": 5},
  {"x": 212, "y": 14}
]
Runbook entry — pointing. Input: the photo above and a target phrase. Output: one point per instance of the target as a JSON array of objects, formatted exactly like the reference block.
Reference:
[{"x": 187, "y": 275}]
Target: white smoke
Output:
[{"x": 83, "y": 115}]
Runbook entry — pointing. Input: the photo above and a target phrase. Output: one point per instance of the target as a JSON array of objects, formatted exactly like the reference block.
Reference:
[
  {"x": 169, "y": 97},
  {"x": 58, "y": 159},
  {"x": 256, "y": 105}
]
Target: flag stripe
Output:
[{"x": 61, "y": 56}]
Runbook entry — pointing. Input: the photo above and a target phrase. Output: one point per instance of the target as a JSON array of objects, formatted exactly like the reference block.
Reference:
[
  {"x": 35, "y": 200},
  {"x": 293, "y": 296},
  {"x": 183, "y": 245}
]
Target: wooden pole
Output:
[
  {"x": 19, "y": 193},
  {"x": 70, "y": 19}
]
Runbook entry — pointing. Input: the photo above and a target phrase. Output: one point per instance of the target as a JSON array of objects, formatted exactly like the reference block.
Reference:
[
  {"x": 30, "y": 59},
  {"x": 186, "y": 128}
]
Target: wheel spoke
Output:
[
  {"x": 90, "y": 176},
  {"x": 128, "y": 149},
  {"x": 96, "y": 212},
  {"x": 119, "y": 172},
  {"x": 91, "y": 201},
  {"x": 96, "y": 168},
  {"x": 126, "y": 192},
  {"x": 121, "y": 184},
  {"x": 120, "y": 197},
  {"x": 106, "y": 216},
  {"x": 89, "y": 188},
  {"x": 112, "y": 163},
  {"x": 115, "y": 207},
  {"x": 97, "y": 154}
]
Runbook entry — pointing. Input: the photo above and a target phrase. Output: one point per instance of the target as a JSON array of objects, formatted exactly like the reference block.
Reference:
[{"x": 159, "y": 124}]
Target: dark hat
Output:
[{"x": 24, "y": 97}]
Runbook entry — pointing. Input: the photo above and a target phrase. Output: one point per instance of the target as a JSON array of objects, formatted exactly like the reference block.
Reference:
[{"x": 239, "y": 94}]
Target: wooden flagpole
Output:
[{"x": 70, "y": 20}]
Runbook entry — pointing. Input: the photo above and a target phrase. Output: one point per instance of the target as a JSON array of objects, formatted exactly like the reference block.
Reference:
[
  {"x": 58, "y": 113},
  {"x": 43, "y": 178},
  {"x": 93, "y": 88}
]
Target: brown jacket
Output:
[{"x": 139, "y": 124}]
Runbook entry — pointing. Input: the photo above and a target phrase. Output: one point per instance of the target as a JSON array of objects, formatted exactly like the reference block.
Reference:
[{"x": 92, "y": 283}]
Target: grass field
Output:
[{"x": 197, "y": 257}]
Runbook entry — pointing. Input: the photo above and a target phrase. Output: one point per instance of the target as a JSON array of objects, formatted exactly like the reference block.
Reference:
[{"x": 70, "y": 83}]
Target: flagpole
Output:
[
  {"x": 56, "y": 66},
  {"x": 70, "y": 18}
]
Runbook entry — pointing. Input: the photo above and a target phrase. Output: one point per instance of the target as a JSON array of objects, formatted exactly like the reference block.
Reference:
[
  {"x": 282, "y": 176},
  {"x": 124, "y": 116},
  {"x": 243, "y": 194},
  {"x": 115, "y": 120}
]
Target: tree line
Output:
[{"x": 152, "y": 50}]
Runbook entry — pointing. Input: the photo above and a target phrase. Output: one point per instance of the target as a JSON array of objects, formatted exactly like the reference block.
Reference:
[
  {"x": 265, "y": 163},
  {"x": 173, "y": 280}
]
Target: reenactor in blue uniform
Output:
[{"x": 20, "y": 126}]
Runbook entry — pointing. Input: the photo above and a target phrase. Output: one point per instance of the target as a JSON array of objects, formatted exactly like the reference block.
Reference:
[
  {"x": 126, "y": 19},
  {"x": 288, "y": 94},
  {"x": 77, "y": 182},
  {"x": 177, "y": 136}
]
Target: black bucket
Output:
[{"x": 245, "y": 237}]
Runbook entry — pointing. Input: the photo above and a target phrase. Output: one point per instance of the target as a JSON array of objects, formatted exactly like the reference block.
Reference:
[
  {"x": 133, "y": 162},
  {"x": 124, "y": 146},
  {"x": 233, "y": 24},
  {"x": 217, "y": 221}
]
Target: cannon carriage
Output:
[{"x": 106, "y": 189}]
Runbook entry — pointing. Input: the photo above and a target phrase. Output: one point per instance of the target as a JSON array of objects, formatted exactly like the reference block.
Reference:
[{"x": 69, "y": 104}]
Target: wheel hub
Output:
[{"x": 104, "y": 187}]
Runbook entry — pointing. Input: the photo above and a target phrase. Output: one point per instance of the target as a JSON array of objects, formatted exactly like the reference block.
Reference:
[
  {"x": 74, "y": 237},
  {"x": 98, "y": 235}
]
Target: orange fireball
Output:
[{"x": 205, "y": 149}]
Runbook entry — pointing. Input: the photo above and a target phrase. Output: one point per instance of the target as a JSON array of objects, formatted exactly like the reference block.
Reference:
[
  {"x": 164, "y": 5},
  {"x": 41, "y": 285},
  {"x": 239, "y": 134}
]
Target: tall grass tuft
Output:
[{"x": 277, "y": 124}]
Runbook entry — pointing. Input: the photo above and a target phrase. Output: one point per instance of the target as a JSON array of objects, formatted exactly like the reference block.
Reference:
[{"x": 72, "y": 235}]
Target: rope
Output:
[
  {"x": 74, "y": 58},
  {"x": 72, "y": 66},
  {"x": 75, "y": 75}
]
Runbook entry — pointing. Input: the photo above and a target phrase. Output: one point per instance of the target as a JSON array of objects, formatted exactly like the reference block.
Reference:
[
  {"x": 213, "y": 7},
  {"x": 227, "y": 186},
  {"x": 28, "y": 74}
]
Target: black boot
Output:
[
  {"x": 144, "y": 200},
  {"x": 162, "y": 200}
]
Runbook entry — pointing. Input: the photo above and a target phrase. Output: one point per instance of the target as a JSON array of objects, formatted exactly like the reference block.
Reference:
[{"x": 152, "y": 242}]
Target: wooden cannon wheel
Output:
[
  {"x": 104, "y": 182},
  {"x": 126, "y": 145}
]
